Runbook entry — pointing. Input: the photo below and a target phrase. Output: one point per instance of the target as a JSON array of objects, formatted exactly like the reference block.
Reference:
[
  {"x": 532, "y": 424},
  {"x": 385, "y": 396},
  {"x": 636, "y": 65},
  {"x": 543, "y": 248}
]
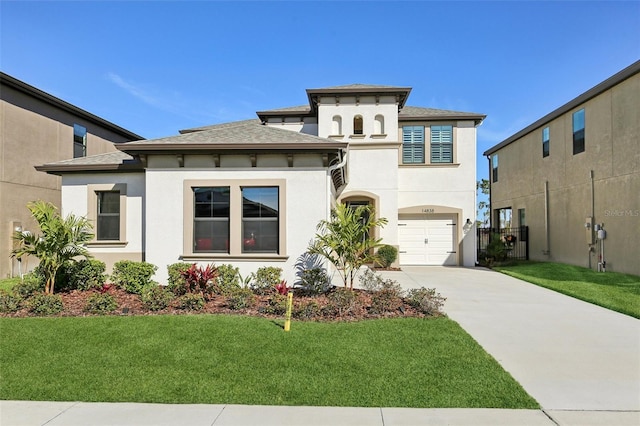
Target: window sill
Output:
[
  {"x": 107, "y": 243},
  {"x": 357, "y": 136},
  {"x": 379, "y": 136},
  {"x": 240, "y": 257},
  {"x": 336, "y": 136},
  {"x": 433, "y": 165}
]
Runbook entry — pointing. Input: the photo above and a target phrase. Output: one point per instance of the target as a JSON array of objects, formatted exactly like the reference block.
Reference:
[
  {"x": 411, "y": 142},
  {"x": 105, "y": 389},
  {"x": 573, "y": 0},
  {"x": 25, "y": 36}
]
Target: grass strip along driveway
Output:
[
  {"x": 611, "y": 290},
  {"x": 243, "y": 360}
]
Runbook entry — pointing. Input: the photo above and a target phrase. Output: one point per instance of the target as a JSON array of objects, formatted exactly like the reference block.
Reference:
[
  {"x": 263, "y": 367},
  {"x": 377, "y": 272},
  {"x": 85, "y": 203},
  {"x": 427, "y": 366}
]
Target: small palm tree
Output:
[
  {"x": 346, "y": 239},
  {"x": 62, "y": 240}
]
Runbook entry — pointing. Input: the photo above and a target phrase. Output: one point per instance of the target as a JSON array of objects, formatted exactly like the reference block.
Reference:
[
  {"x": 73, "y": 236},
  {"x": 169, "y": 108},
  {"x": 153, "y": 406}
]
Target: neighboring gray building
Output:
[
  {"x": 37, "y": 128},
  {"x": 576, "y": 170}
]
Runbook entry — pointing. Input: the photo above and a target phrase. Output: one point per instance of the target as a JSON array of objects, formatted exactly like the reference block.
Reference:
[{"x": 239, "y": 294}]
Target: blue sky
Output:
[{"x": 157, "y": 67}]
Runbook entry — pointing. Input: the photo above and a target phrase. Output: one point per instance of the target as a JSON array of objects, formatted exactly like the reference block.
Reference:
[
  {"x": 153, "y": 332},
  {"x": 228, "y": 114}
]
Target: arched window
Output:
[
  {"x": 357, "y": 125},
  {"x": 336, "y": 125},
  {"x": 378, "y": 125}
]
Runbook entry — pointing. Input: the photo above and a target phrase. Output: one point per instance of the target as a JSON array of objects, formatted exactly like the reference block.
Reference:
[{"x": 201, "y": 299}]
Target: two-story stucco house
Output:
[
  {"x": 36, "y": 128},
  {"x": 251, "y": 193},
  {"x": 573, "y": 177}
]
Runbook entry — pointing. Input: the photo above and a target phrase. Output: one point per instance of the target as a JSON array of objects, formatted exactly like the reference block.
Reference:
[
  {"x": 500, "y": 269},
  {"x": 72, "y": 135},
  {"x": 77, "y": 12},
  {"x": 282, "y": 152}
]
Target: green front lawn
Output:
[
  {"x": 220, "y": 359},
  {"x": 611, "y": 290}
]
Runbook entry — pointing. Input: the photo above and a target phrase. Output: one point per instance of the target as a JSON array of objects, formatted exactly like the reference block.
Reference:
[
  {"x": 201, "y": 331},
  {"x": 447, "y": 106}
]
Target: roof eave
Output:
[
  {"x": 60, "y": 169},
  {"x": 404, "y": 92},
  {"x": 476, "y": 118},
  {"x": 612, "y": 81},
  {"x": 217, "y": 148}
]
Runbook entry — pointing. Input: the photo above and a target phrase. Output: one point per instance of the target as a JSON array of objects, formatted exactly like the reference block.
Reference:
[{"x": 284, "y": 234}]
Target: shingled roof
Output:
[
  {"x": 236, "y": 136},
  {"x": 110, "y": 162},
  {"x": 420, "y": 113}
]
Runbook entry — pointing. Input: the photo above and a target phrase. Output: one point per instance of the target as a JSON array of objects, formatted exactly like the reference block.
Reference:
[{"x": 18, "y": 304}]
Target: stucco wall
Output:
[
  {"x": 75, "y": 199},
  {"x": 307, "y": 200},
  {"x": 32, "y": 133},
  {"x": 611, "y": 151}
]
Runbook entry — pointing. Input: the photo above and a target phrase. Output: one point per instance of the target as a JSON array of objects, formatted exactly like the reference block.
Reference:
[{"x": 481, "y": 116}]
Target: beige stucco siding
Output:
[{"x": 612, "y": 156}]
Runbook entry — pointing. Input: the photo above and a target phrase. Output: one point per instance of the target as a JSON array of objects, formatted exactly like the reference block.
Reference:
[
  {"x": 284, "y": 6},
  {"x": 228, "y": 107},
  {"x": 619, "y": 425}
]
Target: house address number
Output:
[{"x": 428, "y": 210}]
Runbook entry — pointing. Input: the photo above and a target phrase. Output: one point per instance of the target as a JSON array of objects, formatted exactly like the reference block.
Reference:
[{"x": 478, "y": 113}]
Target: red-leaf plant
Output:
[
  {"x": 200, "y": 280},
  {"x": 282, "y": 288}
]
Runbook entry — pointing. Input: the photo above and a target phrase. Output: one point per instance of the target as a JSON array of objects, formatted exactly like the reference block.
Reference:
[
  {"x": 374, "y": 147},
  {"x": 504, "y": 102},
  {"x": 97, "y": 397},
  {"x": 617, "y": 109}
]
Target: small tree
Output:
[
  {"x": 62, "y": 240},
  {"x": 346, "y": 239}
]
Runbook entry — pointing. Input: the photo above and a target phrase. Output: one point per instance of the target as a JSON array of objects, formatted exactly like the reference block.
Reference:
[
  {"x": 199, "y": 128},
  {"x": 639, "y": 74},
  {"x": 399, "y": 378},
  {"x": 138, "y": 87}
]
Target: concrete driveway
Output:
[{"x": 567, "y": 354}]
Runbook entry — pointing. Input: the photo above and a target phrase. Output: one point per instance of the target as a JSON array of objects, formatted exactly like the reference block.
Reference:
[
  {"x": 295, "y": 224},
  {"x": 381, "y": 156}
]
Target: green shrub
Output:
[
  {"x": 315, "y": 281},
  {"x": 386, "y": 255},
  {"x": 45, "y": 304},
  {"x": 342, "y": 301},
  {"x": 156, "y": 297},
  {"x": 176, "y": 282},
  {"x": 9, "y": 302},
  {"x": 385, "y": 300},
  {"x": 266, "y": 279},
  {"x": 496, "y": 249},
  {"x": 101, "y": 303},
  {"x": 276, "y": 305},
  {"x": 85, "y": 274},
  {"x": 426, "y": 300},
  {"x": 228, "y": 279},
  {"x": 190, "y": 302},
  {"x": 307, "y": 310},
  {"x": 31, "y": 283},
  {"x": 241, "y": 299},
  {"x": 132, "y": 276},
  {"x": 201, "y": 280}
]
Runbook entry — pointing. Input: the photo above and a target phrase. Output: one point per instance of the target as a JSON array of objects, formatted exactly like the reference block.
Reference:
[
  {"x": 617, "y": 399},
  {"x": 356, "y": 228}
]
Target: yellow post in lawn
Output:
[{"x": 287, "y": 321}]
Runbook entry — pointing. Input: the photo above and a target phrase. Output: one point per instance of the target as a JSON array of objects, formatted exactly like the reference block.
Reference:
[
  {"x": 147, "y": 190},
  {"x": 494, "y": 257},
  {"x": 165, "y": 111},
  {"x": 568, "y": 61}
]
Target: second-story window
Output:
[
  {"x": 79, "y": 141},
  {"x": 442, "y": 144},
  {"x": 578, "y": 132},
  {"x": 494, "y": 168},
  {"x": 413, "y": 145},
  {"x": 357, "y": 125},
  {"x": 545, "y": 142},
  {"x": 378, "y": 125}
]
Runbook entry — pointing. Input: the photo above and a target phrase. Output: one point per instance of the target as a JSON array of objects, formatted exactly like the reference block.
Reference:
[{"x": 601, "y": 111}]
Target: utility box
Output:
[{"x": 588, "y": 226}]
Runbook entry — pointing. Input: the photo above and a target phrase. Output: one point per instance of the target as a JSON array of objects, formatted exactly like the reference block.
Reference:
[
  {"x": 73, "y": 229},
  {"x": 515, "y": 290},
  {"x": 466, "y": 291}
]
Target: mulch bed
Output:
[{"x": 314, "y": 308}]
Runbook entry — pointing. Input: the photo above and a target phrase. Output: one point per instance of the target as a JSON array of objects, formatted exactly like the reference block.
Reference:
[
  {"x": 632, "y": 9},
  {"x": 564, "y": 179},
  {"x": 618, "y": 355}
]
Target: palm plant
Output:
[
  {"x": 62, "y": 240},
  {"x": 346, "y": 239}
]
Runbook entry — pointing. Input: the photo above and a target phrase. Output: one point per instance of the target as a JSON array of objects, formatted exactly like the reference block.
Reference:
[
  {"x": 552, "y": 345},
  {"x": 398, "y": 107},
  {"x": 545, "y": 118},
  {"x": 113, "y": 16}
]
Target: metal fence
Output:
[{"x": 503, "y": 244}]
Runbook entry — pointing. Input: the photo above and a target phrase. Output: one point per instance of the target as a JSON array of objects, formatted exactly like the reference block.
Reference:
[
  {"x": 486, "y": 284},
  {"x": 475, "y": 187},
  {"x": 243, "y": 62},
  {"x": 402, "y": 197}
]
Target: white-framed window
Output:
[
  {"x": 413, "y": 145},
  {"x": 442, "y": 144},
  {"x": 108, "y": 223},
  {"x": 211, "y": 219},
  {"x": 260, "y": 214},
  {"x": 545, "y": 142},
  {"x": 107, "y": 210}
]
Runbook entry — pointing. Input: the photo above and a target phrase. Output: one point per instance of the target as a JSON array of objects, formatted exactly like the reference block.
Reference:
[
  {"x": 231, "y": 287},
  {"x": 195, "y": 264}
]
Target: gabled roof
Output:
[
  {"x": 247, "y": 135},
  {"x": 419, "y": 113},
  {"x": 21, "y": 86},
  {"x": 612, "y": 81},
  {"x": 110, "y": 162}
]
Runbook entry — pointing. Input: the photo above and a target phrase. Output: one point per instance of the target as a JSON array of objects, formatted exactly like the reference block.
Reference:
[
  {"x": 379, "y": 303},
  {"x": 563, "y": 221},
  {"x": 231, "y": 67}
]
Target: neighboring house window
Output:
[
  {"x": 545, "y": 142},
  {"x": 211, "y": 219},
  {"x": 357, "y": 125},
  {"x": 413, "y": 145},
  {"x": 442, "y": 144},
  {"x": 108, "y": 223},
  {"x": 336, "y": 125},
  {"x": 79, "y": 141},
  {"x": 494, "y": 168},
  {"x": 578, "y": 131},
  {"x": 378, "y": 125},
  {"x": 521, "y": 218},
  {"x": 260, "y": 228}
]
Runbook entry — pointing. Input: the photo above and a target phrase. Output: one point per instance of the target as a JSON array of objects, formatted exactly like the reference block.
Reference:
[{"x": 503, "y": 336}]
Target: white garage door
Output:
[{"x": 428, "y": 241}]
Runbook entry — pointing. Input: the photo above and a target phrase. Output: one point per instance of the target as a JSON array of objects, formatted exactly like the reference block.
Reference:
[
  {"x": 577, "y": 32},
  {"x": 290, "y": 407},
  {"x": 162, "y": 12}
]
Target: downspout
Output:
[
  {"x": 593, "y": 202},
  {"x": 546, "y": 218}
]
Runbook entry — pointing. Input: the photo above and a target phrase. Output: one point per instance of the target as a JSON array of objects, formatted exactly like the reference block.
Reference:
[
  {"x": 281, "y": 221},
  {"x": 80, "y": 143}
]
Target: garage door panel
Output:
[{"x": 427, "y": 241}]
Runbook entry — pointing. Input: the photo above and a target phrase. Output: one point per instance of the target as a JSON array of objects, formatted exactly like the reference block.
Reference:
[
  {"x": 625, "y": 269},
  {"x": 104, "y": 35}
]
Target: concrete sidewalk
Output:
[{"x": 579, "y": 361}]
